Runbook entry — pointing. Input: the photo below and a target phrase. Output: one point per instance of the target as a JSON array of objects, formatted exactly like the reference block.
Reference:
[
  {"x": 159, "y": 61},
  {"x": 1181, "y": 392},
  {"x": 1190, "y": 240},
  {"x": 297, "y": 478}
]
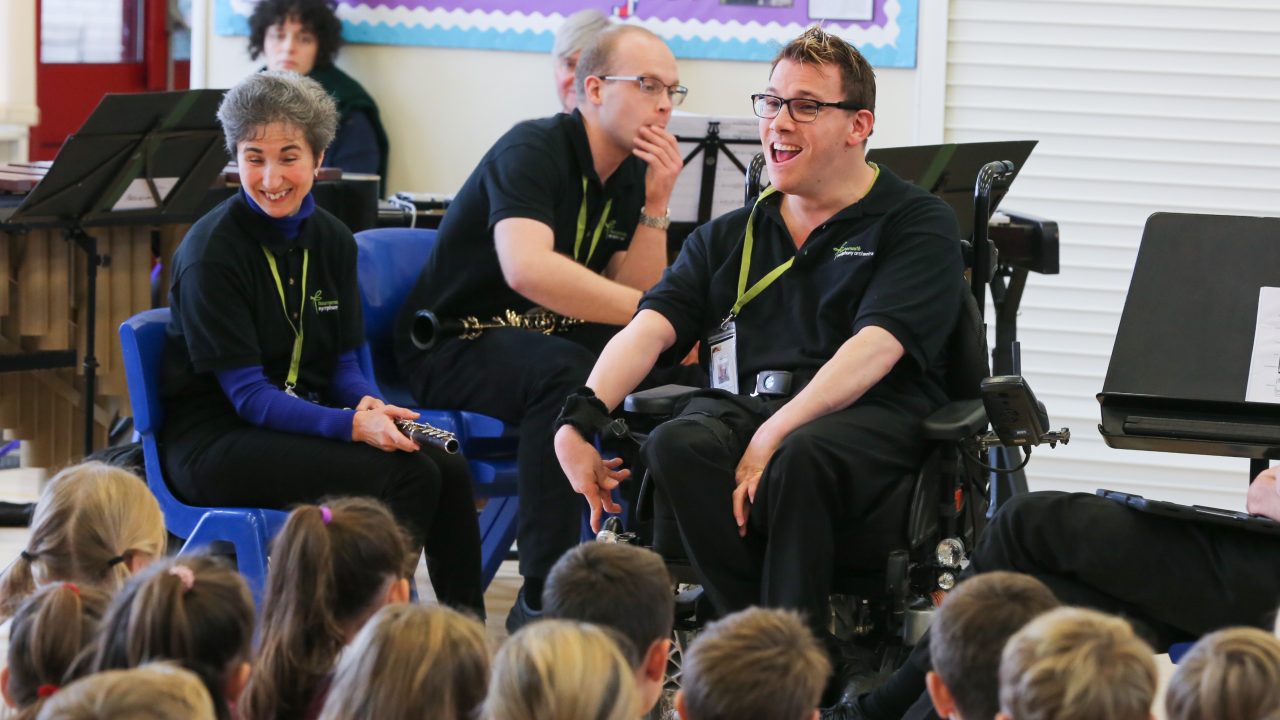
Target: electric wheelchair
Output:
[{"x": 885, "y": 607}]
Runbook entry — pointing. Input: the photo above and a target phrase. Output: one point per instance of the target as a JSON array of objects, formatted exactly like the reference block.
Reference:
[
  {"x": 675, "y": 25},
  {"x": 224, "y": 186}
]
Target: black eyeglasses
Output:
[
  {"x": 653, "y": 86},
  {"x": 801, "y": 109}
]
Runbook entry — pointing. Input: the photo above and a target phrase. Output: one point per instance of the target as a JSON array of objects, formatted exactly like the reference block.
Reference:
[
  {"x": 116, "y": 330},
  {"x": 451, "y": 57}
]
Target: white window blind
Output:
[{"x": 1139, "y": 106}]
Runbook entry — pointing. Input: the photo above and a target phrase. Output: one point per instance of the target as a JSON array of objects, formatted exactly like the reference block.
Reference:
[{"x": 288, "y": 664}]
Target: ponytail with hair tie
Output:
[
  {"x": 28, "y": 556},
  {"x": 47, "y": 690},
  {"x": 185, "y": 574}
]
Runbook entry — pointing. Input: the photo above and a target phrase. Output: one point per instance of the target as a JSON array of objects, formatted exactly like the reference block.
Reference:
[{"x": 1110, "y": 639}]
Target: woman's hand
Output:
[
  {"x": 369, "y": 402},
  {"x": 376, "y": 426},
  {"x": 592, "y": 477}
]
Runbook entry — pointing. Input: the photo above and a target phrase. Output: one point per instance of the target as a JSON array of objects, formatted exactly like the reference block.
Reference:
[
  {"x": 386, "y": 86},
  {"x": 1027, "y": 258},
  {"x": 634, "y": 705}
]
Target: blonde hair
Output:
[
  {"x": 157, "y": 691},
  {"x": 561, "y": 670},
  {"x": 1077, "y": 664},
  {"x": 1232, "y": 674},
  {"x": 87, "y": 524},
  {"x": 49, "y": 632},
  {"x": 411, "y": 661},
  {"x": 754, "y": 663}
]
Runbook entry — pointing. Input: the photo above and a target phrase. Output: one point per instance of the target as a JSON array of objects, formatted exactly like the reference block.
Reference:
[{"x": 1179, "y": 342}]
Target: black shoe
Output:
[{"x": 521, "y": 614}]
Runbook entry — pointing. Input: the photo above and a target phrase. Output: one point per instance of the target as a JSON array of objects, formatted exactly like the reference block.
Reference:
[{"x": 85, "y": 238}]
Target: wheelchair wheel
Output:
[{"x": 681, "y": 638}]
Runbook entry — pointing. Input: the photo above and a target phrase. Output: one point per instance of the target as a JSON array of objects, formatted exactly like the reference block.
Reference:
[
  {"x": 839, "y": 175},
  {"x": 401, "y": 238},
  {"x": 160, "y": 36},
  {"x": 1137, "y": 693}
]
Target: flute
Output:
[{"x": 426, "y": 434}]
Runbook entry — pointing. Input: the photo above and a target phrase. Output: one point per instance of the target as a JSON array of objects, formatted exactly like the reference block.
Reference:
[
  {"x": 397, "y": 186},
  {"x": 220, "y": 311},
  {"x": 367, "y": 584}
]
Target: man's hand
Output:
[
  {"x": 747, "y": 476},
  {"x": 376, "y": 427},
  {"x": 1264, "y": 495},
  {"x": 369, "y": 402},
  {"x": 592, "y": 477},
  {"x": 661, "y": 151}
]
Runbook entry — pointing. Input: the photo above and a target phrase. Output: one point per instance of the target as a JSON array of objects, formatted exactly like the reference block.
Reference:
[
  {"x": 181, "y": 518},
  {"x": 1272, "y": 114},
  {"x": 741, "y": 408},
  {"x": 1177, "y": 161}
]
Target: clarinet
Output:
[
  {"x": 425, "y": 434},
  {"x": 428, "y": 328}
]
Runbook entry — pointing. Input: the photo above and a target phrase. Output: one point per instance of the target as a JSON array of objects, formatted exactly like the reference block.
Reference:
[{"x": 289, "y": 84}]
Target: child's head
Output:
[
  {"x": 412, "y": 661},
  {"x": 968, "y": 634},
  {"x": 1076, "y": 664},
  {"x": 1232, "y": 673},
  {"x": 192, "y": 610},
  {"x": 564, "y": 670},
  {"x": 624, "y": 588},
  {"x": 94, "y": 525},
  {"x": 753, "y": 663},
  {"x": 48, "y": 633},
  {"x": 157, "y": 691},
  {"x": 332, "y": 567}
]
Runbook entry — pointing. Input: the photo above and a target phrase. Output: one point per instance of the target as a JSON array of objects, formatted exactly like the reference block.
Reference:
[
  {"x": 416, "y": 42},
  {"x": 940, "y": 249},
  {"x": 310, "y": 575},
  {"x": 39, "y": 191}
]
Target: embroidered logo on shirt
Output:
[
  {"x": 614, "y": 236},
  {"x": 323, "y": 305},
  {"x": 847, "y": 250}
]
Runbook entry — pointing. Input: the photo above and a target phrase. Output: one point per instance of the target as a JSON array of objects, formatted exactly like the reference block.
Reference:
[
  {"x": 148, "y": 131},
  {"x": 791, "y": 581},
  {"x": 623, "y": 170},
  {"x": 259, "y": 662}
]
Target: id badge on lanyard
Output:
[{"x": 724, "y": 358}]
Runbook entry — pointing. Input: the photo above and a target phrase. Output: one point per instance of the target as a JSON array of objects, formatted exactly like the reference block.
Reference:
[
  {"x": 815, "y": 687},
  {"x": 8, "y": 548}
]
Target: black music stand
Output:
[
  {"x": 711, "y": 147},
  {"x": 1180, "y": 365},
  {"x": 146, "y": 157}
]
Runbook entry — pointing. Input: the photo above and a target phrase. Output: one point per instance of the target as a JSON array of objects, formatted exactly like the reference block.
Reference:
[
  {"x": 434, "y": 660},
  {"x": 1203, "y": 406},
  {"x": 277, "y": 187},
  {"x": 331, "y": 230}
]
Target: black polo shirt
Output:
[
  {"x": 891, "y": 260},
  {"x": 227, "y": 312},
  {"x": 534, "y": 171}
]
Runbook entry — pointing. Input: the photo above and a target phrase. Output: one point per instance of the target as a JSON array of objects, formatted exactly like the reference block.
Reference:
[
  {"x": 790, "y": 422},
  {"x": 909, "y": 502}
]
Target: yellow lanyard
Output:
[
  {"x": 744, "y": 295},
  {"x": 582, "y": 227},
  {"x": 747, "y": 295},
  {"x": 292, "y": 380}
]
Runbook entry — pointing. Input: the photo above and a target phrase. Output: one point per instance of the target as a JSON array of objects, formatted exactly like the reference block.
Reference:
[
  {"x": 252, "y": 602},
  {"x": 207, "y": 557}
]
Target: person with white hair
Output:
[{"x": 578, "y": 31}]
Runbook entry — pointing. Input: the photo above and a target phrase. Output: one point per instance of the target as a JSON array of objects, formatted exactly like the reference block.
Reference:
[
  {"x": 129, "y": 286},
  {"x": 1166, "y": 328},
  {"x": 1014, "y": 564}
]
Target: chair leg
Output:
[
  {"x": 244, "y": 536},
  {"x": 497, "y": 532}
]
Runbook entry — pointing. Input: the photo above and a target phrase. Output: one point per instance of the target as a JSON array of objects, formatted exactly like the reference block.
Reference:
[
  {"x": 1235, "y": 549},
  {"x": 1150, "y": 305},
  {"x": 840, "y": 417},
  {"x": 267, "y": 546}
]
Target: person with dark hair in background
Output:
[{"x": 304, "y": 36}]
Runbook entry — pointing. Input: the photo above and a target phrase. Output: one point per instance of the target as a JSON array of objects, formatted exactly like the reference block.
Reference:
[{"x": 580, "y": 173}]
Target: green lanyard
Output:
[
  {"x": 292, "y": 380},
  {"x": 744, "y": 295},
  {"x": 582, "y": 227}
]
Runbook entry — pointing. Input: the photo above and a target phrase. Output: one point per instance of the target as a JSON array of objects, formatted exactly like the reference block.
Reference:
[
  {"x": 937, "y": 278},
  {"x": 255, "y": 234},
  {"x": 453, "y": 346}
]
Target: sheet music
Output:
[
  {"x": 729, "y": 181},
  {"x": 137, "y": 196},
  {"x": 1264, "y": 363}
]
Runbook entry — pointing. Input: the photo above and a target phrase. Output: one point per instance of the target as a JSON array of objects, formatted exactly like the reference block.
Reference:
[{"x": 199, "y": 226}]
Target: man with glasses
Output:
[
  {"x": 568, "y": 214},
  {"x": 823, "y": 313}
]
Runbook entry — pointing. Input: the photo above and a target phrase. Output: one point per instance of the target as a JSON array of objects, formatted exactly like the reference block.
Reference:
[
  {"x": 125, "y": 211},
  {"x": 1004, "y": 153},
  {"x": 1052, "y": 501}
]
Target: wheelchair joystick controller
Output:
[{"x": 611, "y": 532}]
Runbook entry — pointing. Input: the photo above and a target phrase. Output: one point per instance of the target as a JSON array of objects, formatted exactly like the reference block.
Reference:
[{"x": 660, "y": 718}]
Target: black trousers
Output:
[
  {"x": 523, "y": 377},
  {"x": 1180, "y": 579},
  {"x": 834, "y": 495},
  {"x": 1175, "y": 580},
  {"x": 429, "y": 491}
]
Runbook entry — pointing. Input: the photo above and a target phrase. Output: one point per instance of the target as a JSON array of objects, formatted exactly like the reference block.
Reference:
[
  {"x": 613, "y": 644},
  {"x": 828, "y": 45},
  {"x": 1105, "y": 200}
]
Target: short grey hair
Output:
[
  {"x": 577, "y": 32},
  {"x": 278, "y": 96},
  {"x": 597, "y": 59}
]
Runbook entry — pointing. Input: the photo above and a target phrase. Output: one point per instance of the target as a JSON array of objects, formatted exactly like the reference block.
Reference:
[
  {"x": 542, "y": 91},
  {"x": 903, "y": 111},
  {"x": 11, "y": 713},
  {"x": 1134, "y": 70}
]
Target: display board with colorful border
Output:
[{"x": 884, "y": 30}]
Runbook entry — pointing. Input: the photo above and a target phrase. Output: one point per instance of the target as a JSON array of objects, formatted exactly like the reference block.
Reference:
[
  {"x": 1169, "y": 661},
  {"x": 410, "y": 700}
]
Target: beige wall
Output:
[
  {"x": 443, "y": 108},
  {"x": 18, "y": 109}
]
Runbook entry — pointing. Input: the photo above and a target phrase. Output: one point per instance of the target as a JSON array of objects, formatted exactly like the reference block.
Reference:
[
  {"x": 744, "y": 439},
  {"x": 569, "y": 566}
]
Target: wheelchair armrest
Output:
[
  {"x": 956, "y": 420},
  {"x": 656, "y": 401}
]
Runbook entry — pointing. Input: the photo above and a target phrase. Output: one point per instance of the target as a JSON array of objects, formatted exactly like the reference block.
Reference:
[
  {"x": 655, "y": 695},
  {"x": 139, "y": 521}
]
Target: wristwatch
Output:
[{"x": 658, "y": 223}]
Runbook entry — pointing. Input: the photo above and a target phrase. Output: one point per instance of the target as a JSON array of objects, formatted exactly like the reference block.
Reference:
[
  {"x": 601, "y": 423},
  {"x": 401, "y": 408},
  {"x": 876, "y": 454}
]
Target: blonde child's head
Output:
[
  {"x": 94, "y": 524},
  {"x": 412, "y": 661},
  {"x": 1232, "y": 674},
  {"x": 1076, "y": 664},
  {"x": 564, "y": 670}
]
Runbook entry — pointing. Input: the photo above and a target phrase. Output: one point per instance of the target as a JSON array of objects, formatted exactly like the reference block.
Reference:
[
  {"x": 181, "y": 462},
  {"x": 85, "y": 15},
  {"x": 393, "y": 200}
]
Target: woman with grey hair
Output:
[
  {"x": 265, "y": 405},
  {"x": 578, "y": 31}
]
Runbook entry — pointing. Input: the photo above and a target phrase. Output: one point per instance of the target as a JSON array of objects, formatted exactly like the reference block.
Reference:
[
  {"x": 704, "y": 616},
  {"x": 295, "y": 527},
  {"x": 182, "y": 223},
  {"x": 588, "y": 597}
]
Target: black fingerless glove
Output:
[{"x": 584, "y": 412}]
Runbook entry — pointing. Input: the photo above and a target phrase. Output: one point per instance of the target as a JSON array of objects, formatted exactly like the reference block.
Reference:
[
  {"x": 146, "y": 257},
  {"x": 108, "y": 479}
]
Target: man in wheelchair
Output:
[{"x": 824, "y": 312}]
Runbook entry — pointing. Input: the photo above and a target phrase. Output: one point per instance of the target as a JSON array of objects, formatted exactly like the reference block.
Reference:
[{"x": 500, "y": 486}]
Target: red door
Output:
[{"x": 86, "y": 49}]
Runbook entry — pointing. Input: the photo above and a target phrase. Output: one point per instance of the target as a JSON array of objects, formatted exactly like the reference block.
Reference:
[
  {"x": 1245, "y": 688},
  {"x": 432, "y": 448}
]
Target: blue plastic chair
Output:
[
  {"x": 248, "y": 530},
  {"x": 389, "y": 263}
]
